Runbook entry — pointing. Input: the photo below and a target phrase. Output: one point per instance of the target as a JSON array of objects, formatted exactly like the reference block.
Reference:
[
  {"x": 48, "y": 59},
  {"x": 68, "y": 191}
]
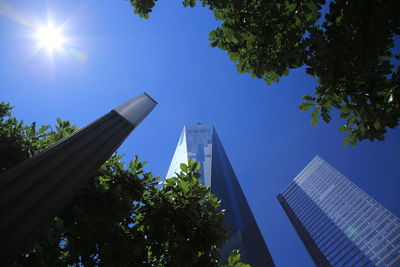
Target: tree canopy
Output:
[
  {"x": 124, "y": 216},
  {"x": 350, "y": 51}
]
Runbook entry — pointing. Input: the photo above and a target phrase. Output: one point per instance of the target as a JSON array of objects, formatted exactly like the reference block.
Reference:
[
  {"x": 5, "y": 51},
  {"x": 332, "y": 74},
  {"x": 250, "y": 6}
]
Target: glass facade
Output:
[
  {"x": 339, "y": 223},
  {"x": 201, "y": 143}
]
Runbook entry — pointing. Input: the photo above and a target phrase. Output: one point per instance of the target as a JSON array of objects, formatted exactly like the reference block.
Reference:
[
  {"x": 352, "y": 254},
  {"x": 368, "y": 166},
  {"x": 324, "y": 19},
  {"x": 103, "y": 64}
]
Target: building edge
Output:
[{"x": 318, "y": 258}]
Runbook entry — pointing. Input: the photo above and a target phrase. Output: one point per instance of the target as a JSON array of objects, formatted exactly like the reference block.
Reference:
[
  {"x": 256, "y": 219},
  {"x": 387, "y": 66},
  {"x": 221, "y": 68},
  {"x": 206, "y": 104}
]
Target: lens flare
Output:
[
  {"x": 8, "y": 11},
  {"x": 79, "y": 55}
]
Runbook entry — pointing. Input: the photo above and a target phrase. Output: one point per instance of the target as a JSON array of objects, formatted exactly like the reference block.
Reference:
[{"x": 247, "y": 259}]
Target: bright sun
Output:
[{"x": 50, "y": 37}]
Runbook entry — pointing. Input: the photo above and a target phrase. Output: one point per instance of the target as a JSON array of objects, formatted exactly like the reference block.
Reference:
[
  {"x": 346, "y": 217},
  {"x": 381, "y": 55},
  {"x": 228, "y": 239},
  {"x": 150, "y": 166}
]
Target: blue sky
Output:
[{"x": 267, "y": 138}]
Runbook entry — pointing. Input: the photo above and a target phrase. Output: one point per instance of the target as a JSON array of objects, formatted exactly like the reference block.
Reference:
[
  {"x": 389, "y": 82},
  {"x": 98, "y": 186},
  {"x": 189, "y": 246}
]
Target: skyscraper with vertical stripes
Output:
[
  {"x": 201, "y": 143},
  {"x": 338, "y": 222}
]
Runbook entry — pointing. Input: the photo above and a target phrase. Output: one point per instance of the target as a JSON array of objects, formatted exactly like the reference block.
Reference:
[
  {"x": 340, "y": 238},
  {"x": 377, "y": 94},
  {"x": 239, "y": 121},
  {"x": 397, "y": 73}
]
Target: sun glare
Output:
[{"x": 50, "y": 37}]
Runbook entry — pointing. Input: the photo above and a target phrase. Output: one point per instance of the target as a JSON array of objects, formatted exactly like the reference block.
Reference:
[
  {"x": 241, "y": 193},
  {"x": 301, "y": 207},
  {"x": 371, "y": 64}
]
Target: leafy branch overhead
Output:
[{"x": 350, "y": 51}]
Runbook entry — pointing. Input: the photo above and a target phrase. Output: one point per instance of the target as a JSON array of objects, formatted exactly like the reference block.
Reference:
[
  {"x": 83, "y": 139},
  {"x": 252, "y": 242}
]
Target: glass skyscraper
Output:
[
  {"x": 339, "y": 223},
  {"x": 201, "y": 143}
]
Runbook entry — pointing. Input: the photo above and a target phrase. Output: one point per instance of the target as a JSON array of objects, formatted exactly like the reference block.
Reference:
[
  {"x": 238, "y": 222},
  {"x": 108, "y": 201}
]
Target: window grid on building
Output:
[{"x": 338, "y": 222}]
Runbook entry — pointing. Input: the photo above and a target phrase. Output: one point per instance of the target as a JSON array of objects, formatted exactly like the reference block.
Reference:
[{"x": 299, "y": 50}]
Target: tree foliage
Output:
[
  {"x": 123, "y": 216},
  {"x": 350, "y": 52},
  {"x": 234, "y": 260},
  {"x": 19, "y": 142}
]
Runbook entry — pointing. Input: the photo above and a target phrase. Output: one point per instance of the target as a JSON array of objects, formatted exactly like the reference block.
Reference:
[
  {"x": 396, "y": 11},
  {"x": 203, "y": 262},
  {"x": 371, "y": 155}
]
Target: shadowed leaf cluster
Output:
[{"x": 350, "y": 51}]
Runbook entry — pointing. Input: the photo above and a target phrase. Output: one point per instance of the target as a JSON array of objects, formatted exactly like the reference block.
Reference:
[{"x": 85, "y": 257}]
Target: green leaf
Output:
[
  {"x": 325, "y": 116},
  {"x": 344, "y": 115},
  {"x": 133, "y": 163},
  {"x": 33, "y": 129},
  {"x": 309, "y": 98},
  {"x": 234, "y": 258},
  {"x": 43, "y": 129},
  {"x": 184, "y": 167},
  {"x": 345, "y": 128},
  {"x": 196, "y": 166},
  {"x": 234, "y": 57},
  {"x": 346, "y": 140},
  {"x": 353, "y": 140},
  {"x": 315, "y": 116},
  {"x": 377, "y": 125},
  {"x": 346, "y": 108},
  {"x": 184, "y": 186},
  {"x": 306, "y": 106},
  {"x": 312, "y": 6},
  {"x": 212, "y": 35}
]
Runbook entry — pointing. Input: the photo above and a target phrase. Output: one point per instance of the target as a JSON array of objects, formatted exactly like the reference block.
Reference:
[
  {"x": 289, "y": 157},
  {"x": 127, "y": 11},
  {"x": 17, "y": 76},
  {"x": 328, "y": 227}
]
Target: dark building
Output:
[
  {"x": 201, "y": 143},
  {"x": 37, "y": 189},
  {"x": 338, "y": 222}
]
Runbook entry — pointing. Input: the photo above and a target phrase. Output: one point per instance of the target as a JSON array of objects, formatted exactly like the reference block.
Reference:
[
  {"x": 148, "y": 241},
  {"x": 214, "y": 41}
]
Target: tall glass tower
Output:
[
  {"x": 201, "y": 143},
  {"x": 339, "y": 223}
]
